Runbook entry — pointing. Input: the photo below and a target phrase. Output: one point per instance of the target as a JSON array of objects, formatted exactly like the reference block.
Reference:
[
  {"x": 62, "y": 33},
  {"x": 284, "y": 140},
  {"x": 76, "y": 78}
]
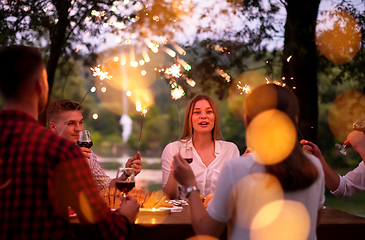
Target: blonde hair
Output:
[{"x": 188, "y": 130}]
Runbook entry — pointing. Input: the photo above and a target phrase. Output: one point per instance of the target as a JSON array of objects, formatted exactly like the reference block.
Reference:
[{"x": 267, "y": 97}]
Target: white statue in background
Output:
[{"x": 126, "y": 123}]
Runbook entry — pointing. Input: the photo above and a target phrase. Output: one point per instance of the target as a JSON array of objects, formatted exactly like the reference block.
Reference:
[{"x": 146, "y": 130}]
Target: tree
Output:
[
  {"x": 299, "y": 56},
  {"x": 64, "y": 27}
]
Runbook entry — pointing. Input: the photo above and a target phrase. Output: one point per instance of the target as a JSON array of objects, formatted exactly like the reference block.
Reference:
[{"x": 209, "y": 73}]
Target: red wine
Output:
[
  {"x": 124, "y": 186},
  {"x": 189, "y": 160},
  {"x": 85, "y": 144}
]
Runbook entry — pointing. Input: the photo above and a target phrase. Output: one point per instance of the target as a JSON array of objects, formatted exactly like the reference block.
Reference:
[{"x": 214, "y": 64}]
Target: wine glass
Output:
[
  {"x": 187, "y": 154},
  {"x": 359, "y": 125},
  {"x": 125, "y": 180},
  {"x": 85, "y": 139}
]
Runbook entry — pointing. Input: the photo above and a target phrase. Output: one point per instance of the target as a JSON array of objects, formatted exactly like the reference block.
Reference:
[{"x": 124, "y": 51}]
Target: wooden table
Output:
[{"x": 334, "y": 225}]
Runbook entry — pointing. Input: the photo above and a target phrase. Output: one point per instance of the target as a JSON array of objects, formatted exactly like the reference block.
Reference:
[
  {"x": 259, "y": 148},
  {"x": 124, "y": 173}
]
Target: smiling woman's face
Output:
[{"x": 203, "y": 117}]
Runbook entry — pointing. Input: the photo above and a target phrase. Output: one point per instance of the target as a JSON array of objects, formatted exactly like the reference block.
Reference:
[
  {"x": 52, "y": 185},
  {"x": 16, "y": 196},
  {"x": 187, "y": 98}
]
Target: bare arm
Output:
[
  {"x": 202, "y": 223},
  {"x": 331, "y": 178},
  {"x": 171, "y": 186}
]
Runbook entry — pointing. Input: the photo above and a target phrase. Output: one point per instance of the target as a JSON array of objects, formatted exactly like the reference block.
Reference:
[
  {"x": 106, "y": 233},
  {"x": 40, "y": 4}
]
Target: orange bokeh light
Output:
[{"x": 338, "y": 36}]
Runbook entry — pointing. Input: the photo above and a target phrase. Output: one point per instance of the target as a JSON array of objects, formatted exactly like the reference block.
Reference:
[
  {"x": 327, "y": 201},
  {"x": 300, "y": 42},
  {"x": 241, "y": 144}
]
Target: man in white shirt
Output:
[
  {"x": 354, "y": 181},
  {"x": 65, "y": 119}
]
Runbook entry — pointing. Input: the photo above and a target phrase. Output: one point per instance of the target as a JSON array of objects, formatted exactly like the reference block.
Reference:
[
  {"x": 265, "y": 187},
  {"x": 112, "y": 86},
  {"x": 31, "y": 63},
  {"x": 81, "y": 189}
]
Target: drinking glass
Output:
[
  {"x": 359, "y": 125},
  {"x": 125, "y": 180},
  {"x": 85, "y": 139},
  {"x": 187, "y": 154}
]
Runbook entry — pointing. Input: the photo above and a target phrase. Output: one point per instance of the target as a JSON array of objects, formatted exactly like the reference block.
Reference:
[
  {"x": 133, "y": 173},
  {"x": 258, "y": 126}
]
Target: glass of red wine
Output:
[
  {"x": 125, "y": 180},
  {"x": 359, "y": 125},
  {"x": 187, "y": 154},
  {"x": 85, "y": 139}
]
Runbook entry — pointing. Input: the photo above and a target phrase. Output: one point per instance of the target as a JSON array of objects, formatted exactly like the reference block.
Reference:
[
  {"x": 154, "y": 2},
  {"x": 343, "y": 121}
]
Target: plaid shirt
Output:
[
  {"x": 41, "y": 175},
  {"x": 101, "y": 179}
]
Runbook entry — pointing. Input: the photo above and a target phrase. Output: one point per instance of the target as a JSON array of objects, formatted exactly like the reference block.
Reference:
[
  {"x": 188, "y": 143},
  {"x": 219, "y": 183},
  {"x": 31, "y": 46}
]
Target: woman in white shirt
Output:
[
  {"x": 201, "y": 135},
  {"x": 260, "y": 198}
]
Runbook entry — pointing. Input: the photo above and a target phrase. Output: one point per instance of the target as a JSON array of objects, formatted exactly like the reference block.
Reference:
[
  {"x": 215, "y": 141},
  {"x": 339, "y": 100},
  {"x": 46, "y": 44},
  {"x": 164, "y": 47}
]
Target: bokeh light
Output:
[
  {"x": 95, "y": 116},
  {"x": 236, "y": 97},
  {"x": 347, "y": 108},
  {"x": 338, "y": 36},
  {"x": 283, "y": 219},
  {"x": 272, "y": 135},
  {"x": 252, "y": 193}
]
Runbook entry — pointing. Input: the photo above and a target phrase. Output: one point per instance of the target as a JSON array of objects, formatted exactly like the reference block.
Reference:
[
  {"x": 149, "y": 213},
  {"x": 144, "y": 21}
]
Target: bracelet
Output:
[{"x": 190, "y": 189}]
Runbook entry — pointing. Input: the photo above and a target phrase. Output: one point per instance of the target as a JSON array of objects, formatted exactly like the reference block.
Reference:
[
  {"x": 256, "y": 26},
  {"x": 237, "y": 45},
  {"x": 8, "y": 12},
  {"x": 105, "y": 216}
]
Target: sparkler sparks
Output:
[
  {"x": 177, "y": 92},
  {"x": 100, "y": 74},
  {"x": 174, "y": 71},
  {"x": 223, "y": 74},
  {"x": 245, "y": 89}
]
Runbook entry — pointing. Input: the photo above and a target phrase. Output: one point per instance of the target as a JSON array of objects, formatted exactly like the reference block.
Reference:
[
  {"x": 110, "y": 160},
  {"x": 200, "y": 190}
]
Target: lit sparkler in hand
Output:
[{"x": 143, "y": 113}]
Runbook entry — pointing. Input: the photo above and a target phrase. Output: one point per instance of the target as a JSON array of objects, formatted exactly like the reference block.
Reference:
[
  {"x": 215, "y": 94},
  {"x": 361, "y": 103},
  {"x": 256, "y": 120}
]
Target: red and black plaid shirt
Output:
[{"x": 42, "y": 174}]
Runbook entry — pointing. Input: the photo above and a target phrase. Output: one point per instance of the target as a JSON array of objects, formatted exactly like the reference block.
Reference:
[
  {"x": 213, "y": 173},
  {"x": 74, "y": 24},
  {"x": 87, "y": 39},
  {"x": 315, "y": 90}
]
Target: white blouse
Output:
[
  {"x": 353, "y": 182},
  {"x": 206, "y": 176}
]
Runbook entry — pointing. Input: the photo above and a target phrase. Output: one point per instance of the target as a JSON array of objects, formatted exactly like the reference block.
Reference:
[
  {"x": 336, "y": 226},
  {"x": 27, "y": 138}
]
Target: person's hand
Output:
[
  {"x": 356, "y": 139},
  {"x": 86, "y": 152},
  {"x": 182, "y": 172},
  {"x": 311, "y": 148},
  {"x": 135, "y": 163},
  {"x": 129, "y": 208}
]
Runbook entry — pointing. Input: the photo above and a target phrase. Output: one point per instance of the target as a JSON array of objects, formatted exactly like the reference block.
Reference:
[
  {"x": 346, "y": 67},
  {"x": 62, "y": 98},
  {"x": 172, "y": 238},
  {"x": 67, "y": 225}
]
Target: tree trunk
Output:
[
  {"x": 57, "y": 37},
  {"x": 301, "y": 71}
]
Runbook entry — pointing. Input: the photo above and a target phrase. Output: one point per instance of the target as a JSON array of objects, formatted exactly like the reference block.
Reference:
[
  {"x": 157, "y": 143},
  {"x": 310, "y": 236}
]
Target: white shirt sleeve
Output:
[
  {"x": 353, "y": 182},
  {"x": 166, "y": 160},
  {"x": 101, "y": 179}
]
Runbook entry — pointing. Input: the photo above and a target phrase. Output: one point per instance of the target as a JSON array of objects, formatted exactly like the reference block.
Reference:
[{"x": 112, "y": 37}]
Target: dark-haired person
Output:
[
  {"x": 354, "y": 181},
  {"x": 65, "y": 119},
  {"x": 42, "y": 174},
  {"x": 261, "y": 201},
  {"x": 202, "y": 136}
]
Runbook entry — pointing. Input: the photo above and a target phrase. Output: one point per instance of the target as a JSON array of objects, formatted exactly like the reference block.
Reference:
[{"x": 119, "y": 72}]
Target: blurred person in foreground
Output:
[
  {"x": 202, "y": 136},
  {"x": 247, "y": 188},
  {"x": 354, "y": 181},
  {"x": 65, "y": 119},
  {"x": 42, "y": 174}
]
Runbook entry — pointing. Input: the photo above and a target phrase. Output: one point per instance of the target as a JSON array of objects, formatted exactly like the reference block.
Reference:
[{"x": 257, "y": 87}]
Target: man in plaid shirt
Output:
[
  {"x": 42, "y": 174},
  {"x": 65, "y": 119}
]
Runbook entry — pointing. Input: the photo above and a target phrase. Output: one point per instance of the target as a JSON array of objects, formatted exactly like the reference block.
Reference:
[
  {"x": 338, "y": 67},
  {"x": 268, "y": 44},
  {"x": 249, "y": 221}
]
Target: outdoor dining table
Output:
[{"x": 334, "y": 225}]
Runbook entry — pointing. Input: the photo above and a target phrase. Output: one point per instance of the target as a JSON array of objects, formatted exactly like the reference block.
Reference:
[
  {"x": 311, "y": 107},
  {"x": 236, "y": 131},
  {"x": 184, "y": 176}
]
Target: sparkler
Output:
[
  {"x": 143, "y": 112},
  {"x": 100, "y": 74},
  {"x": 174, "y": 71},
  {"x": 177, "y": 92}
]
